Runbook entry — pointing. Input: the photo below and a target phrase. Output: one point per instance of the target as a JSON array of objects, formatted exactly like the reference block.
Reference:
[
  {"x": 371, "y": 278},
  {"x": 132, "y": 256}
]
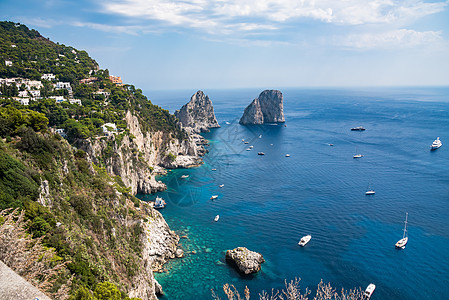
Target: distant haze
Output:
[{"x": 199, "y": 44}]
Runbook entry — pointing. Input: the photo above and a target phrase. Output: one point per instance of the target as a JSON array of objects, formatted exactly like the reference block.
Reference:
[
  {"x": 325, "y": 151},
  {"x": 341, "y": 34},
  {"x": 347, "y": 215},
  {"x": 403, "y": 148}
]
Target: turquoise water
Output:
[{"x": 269, "y": 202}]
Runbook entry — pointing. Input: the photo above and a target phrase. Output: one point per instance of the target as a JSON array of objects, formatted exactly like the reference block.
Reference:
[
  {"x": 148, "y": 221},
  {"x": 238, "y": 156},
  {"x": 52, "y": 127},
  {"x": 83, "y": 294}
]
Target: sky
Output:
[{"x": 200, "y": 44}]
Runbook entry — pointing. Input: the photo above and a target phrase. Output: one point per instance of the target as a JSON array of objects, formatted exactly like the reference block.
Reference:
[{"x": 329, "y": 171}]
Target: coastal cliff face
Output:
[
  {"x": 267, "y": 108},
  {"x": 159, "y": 245},
  {"x": 198, "y": 114},
  {"x": 137, "y": 157}
]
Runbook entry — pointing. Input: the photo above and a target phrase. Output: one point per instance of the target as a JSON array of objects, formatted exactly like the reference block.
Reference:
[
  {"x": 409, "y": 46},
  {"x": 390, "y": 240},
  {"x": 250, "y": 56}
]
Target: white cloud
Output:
[
  {"x": 211, "y": 15},
  {"x": 402, "y": 38}
]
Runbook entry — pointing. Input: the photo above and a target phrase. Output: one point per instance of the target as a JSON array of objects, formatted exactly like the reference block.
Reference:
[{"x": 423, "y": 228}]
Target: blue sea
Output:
[{"x": 269, "y": 202}]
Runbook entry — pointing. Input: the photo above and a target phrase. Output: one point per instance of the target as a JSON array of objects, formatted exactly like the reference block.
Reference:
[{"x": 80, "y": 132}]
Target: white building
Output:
[
  {"x": 35, "y": 93},
  {"x": 75, "y": 101},
  {"x": 108, "y": 126},
  {"x": 63, "y": 85},
  {"x": 48, "y": 76},
  {"x": 61, "y": 132},
  {"x": 8, "y": 63},
  {"x": 23, "y": 94},
  {"x": 58, "y": 99}
]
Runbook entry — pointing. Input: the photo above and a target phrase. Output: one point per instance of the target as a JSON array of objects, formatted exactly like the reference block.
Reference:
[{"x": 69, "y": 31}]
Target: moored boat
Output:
[
  {"x": 184, "y": 176},
  {"x": 369, "y": 290},
  {"x": 159, "y": 203},
  {"x": 217, "y": 217},
  {"x": 260, "y": 153},
  {"x": 436, "y": 144},
  {"x": 358, "y": 128},
  {"x": 214, "y": 197},
  {"x": 304, "y": 240},
  {"x": 221, "y": 185},
  {"x": 402, "y": 242},
  {"x": 358, "y": 156}
]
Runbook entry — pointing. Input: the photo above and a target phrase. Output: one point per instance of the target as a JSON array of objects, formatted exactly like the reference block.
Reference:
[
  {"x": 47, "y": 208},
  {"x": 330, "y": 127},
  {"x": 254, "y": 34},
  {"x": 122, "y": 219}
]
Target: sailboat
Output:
[
  {"x": 357, "y": 155},
  {"x": 402, "y": 242},
  {"x": 370, "y": 190}
]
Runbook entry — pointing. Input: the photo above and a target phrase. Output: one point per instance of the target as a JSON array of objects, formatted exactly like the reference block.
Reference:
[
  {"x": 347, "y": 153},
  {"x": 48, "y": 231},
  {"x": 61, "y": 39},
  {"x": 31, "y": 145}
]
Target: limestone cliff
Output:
[
  {"x": 198, "y": 114},
  {"x": 267, "y": 108},
  {"x": 137, "y": 157}
]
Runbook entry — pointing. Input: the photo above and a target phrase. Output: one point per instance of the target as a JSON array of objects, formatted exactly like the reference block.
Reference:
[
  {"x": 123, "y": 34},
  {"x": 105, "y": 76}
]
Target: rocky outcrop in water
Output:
[
  {"x": 198, "y": 114},
  {"x": 267, "y": 108},
  {"x": 246, "y": 261}
]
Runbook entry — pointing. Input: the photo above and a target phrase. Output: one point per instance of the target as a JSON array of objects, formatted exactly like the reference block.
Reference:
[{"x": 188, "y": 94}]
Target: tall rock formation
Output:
[
  {"x": 267, "y": 108},
  {"x": 198, "y": 114}
]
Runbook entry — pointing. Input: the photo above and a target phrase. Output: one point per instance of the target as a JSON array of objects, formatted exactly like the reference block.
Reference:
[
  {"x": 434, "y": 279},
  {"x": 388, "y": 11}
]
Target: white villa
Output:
[
  {"x": 108, "y": 126},
  {"x": 48, "y": 76}
]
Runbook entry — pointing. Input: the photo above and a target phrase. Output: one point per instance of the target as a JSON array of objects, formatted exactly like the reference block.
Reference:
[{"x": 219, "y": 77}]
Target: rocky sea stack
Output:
[
  {"x": 245, "y": 260},
  {"x": 267, "y": 108},
  {"x": 198, "y": 114}
]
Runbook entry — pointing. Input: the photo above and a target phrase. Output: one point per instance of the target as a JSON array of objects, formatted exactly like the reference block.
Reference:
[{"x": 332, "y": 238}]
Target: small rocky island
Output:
[
  {"x": 246, "y": 261},
  {"x": 267, "y": 108},
  {"x": 198, "y": 114}
]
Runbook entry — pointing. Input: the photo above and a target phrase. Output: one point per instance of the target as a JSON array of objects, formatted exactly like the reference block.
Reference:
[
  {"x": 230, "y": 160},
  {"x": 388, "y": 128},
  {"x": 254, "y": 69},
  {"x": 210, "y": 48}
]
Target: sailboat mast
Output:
[{"x": 405, "y": 226}]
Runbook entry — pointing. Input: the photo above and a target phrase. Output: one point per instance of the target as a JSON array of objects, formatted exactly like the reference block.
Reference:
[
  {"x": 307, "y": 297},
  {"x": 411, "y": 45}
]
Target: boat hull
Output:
[{"x": 401, "y": 243}]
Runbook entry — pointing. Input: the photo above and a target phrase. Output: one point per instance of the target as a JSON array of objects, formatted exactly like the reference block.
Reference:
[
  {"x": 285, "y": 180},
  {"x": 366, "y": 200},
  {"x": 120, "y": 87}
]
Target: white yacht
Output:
[
  {"x": 287, "y": 155},
  {"x": 358, "y": 156},
  {"x": 369, "y": 290},
  {"x": 221, "y": 185},
  {"x": 436, "y": 144},
  {"x": 402, "y": 242},
  {"x": 184, "y": 176},
  {"x": 304, "y": 240},
  {"x": 217, "y": 217},
  {"x": 370, "y": 191},
  {"x": 214, "y": 197}
]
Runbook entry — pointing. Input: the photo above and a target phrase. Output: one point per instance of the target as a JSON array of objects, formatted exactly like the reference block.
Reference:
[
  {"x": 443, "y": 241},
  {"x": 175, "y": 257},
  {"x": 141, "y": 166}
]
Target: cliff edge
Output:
[{"x": 267, "y": 108}]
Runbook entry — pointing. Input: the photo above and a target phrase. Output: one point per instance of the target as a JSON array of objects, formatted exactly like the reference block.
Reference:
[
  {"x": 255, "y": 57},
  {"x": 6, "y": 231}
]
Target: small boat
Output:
[
  {"x": 217, "y": 217},
  {"x": 402, "y": 242},
  {"x": 287, "y": 155},
  {"x": 271, "y": 144},
  {"x": 248, "y": 149},
  {"x": 260, "y": 153},
  {"x": 214, "y": 197},
  {"x": 436, "y": 144},
  {"x": 358, "y": 156},
  {"x": 221, "y": 185},
  {"x": 159, "y": 203},
  {"x": 370, "y": 191},
  {"x": 358, "y": 128},
  {"x": 243, "y": 140},
  {"x": 304, "y": 240},
  {"x": 369, "y": 290},
  {"x": 260, "y": 136},
  {"x": 251, "y": 147},
  {"x": 184, "y": 176},
  {"x": 214, "y": 169},
  {"x": 331, "y": 145},
  {"x": 227, "y": 123},
  {"x": 246, "y": 142}
]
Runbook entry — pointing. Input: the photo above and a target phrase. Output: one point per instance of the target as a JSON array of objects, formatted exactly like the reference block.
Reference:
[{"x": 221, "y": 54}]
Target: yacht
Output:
[
  {"x": 214, "y": 197},
  {"x": 369, "y": 290},
  {"x": 159, "y": 203},
  {"x": 358, "y": 156},
  {"x": 260, "y": 136},
  {"x": 402, "y": 242},
  {"x": 251, "y": 147},
  {"x": 358, "y": 128},
  {"x": 304, "y": 240},
  {"x": 287, "y": 155},
  {"x": 370, "y": 191},
  {"x": 436, "y": 144},
  {"x": 246, "y": 142},
  {"x": 221, "y": 185},
  {"x": 184, "y": 176},
  {"x": 248, "y": 149},
  {"x": 217, "y": 217},
  {"x": 227, "y": 123},
  {"x": 260, "y": 153},
  {"x": 214, "y": 169}
]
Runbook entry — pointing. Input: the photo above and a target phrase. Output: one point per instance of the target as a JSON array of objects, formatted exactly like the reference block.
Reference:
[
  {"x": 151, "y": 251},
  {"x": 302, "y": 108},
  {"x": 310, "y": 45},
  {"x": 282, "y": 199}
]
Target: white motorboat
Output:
[
  {"x": 304, "y": 240},
  {"x": 248, "y": 149},
  {"x": 436, "y": 144},
  {"x": 217, "y": 217},
  {"x": 184, "y": 176},
  {"x": 214, "y": 197},
  {"x": 287, "y": 155},
  {"x": 246, "y": 142},
  {"x": 260, "y": 153},
  {"x": 227, "y": 123},
  {"x": 369, "y": 290},
  {"x": 221, "y": 185},
  {"x": 214, "y": 169},
  {"x": 251, "y": 147},
  {"x": 402, "y": 242},
  {"x": 260, "y": 136},
  {"x": 358, "y": 156}
]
